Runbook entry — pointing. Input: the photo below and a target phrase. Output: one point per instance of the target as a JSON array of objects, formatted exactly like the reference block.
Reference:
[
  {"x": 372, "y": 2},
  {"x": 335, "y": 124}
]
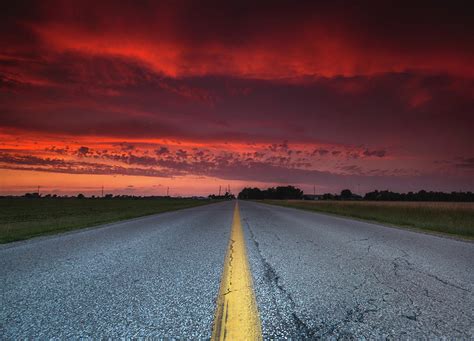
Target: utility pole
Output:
[
  {"x": 102, "y": 191},
  {"x": 38, "y": 190},
  {"x": 168, "y": 191},
  {"x": 314, "y": 190},
  {"x": 220, "y": 190}
]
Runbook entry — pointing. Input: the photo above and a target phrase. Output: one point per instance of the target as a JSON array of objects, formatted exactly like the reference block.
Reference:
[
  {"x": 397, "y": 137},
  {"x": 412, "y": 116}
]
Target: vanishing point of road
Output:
[{"x": 208, "y": 271}]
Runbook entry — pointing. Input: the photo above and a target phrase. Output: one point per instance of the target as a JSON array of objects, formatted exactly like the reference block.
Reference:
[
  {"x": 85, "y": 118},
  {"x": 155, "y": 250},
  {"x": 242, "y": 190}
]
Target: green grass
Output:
[
  {"x": 22, "y": 218},
  {"x": 445, "y": 217}
]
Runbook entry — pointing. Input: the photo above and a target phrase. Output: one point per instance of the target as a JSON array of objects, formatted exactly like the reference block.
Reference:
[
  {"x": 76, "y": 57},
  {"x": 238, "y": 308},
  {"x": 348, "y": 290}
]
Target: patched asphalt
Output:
[{"x": 314, "y": 276}]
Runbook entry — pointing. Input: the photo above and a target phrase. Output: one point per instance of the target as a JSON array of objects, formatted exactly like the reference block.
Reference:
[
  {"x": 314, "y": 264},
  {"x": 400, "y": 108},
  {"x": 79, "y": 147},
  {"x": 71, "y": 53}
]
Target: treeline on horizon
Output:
[
  {"x": 294, "y": 193},
  {"x": 285, "y": 193},
  {"x": 107, "y": 196}
]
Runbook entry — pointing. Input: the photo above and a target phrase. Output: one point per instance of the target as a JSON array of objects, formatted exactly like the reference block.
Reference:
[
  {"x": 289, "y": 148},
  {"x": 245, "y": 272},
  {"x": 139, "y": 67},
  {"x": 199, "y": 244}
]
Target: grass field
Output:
[
  {"x": 446, "y": 217},
  {"x": 22, "y": 218}
]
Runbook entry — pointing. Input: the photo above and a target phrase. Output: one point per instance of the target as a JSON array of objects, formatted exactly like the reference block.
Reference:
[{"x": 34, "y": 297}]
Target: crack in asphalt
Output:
[
  {"x": 352, "y": 315},
  {"x": 445, "y": 282},
  {"x": 384, "y": 283},
  {"x": 409, "y": 266},
  {"x": 303, "y": 331},
  {"x": 230, "y": 268}
]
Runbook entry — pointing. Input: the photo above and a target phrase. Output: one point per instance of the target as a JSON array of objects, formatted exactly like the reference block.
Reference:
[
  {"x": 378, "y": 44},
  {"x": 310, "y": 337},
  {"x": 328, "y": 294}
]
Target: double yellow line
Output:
[{"x": 236, "y": 316}]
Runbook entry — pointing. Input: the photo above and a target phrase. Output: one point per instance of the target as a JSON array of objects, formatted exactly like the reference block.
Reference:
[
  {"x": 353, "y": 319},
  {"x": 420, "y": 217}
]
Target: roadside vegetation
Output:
[
  {"x": 451, "y": 213},
  {"x": 292, "y": 192},
  {"x": 455, "y": 218},
  {"x": 22, "y": 218}
]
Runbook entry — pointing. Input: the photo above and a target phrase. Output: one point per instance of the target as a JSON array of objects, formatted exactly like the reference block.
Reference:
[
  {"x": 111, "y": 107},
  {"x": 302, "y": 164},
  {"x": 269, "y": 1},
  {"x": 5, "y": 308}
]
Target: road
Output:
[{"x": 313, "y": 276}]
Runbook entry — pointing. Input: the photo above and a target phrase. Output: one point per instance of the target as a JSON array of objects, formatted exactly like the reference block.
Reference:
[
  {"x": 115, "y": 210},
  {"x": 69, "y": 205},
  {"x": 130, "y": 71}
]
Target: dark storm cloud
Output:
[
  {"x": 162, "y": 150},
  {"x": 377, "y": 153},
  {"x": 82, "y": 151},
  {"x": 308, "y": 112},
  {"x": 22, "y": 162},
  {"x": 320, "y": 151},
  {"x": 29, "y": 160},
  {"x": 467, "y": 163},
  {"x": 257, "y": 39},
  {"x": 225, "y": 167}
]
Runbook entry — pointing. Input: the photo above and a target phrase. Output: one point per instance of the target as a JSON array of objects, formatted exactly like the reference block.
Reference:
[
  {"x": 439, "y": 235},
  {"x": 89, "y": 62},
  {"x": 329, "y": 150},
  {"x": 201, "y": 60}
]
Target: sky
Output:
[{"x": 139, "y": 96}]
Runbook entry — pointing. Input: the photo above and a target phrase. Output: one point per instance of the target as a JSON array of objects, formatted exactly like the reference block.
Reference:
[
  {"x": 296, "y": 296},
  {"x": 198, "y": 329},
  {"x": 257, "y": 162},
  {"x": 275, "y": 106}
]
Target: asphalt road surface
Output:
[{"x": 314, "y": 276}]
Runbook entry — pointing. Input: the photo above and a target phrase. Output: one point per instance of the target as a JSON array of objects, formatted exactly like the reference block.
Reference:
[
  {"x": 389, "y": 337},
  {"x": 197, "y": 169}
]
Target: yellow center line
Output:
[{"x": 236, "y": 315}]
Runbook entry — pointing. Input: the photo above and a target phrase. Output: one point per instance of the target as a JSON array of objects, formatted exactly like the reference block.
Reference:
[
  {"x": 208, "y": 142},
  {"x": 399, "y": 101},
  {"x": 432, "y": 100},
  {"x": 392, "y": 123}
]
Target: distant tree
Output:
[
  {"x": 229, "y": 196},
  {"x": 80, "y": 196},
  {"x": 291, "y": 192},
  {"x": 346, "y": 194},
  {"x": 328, "y": 196},
  {"x": 251, "y": 193},
  {"x": 288, "y": 192},
  {"x": 281, "y": 192},
  {"x": 108, "y": 196},
  {"x": 419, "y": 196},
  {"x": 226, "y": 196}
]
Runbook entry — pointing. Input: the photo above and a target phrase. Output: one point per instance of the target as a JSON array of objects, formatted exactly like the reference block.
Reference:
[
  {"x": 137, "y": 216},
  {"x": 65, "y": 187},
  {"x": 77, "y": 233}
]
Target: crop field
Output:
[
  {"x": 22, "y": 218},
  {"x": 456, "y": 218}
]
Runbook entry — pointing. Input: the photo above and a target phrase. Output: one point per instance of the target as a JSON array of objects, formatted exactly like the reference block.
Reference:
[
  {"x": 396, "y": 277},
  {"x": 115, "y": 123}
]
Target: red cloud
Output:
[
  {"x": 325, "y": 76},
  {"x": 284, "y": 40}
]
